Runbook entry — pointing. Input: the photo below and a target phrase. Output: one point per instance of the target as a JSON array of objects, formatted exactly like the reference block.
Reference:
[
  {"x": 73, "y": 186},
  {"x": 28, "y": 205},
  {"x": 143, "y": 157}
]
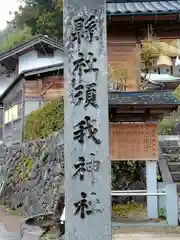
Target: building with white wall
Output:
[
  {"x": 32, "y": 67},
  {"x": 40, "y": 52}
]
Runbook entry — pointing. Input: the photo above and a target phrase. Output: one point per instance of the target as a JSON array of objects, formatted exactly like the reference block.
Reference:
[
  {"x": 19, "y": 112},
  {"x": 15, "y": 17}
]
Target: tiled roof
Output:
[
  {"x": 142, "y": 98},
  {"x": 141, "y": 7},
  {"x": 31, "y": 43}
]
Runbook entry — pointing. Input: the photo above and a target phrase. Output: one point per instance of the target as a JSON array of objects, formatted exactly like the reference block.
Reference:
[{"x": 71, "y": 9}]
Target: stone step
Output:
[
  {"x": 175, "y": 176},
  {"x": 171, "y": 157},
  {"x": 178, "y": 187},
  {"x": 174, "y": 166},
  {"x": 171, "y": 142},
  {"x": 172, "y": 149}
]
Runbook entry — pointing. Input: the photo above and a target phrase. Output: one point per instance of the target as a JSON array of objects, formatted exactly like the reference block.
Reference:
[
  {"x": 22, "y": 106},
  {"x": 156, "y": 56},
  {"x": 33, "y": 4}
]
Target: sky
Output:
[{"x": 6, "y": 7}]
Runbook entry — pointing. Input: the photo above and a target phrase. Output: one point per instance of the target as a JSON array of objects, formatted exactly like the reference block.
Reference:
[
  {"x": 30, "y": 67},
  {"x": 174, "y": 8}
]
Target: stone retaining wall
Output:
[{"x": 34, "y": 174}]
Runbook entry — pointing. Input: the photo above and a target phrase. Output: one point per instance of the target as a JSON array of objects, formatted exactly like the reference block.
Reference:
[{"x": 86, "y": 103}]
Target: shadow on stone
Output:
[{"x": 47, "y": 224}]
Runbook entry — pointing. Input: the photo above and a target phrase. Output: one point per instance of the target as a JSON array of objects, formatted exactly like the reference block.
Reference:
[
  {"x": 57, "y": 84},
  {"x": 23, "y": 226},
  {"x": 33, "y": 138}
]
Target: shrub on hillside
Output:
[
  {"x": 166, "y": 126},
  {"x": 44, "y": 121}
]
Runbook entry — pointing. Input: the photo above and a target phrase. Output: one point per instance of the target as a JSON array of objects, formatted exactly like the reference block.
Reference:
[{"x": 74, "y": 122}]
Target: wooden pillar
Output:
[{"x": 86, "y": 130}]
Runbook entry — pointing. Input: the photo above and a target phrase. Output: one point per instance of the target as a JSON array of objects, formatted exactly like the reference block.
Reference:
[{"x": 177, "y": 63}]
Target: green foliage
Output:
[
  {"x": 50, "y": 23},
  {"x": 126, "y": 172},
  {"x": 60, "y": 4},
  {"x": 176, "y": 92},
  {"x": 41, "y": 17},
  {"x": 162, "y": 213},
  {"x": 165, "y": 127},
  {"x": 16, "y": 38},
  {"x": 44, "y": 121},
  {"x": 159, "y": 178},
  {"x": 25, "y": 16}
]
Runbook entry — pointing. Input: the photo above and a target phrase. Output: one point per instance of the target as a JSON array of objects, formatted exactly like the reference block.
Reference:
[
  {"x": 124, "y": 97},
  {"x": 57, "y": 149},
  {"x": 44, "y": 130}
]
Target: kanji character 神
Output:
[{"x": 80, "y": 167}]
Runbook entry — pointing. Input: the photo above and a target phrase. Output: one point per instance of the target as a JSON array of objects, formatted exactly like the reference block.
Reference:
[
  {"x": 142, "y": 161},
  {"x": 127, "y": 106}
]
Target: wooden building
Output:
[
  {"x": 130, "y": 22},
  {"x": 26, "y": 72},
  {"x": 28, "y": 92}
]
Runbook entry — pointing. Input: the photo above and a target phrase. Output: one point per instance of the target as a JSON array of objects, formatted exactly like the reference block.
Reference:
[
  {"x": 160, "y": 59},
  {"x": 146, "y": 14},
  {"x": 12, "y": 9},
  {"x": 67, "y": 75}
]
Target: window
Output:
[
  {"x": 14, "y": 112},
  {"x": 6, "y": 116},
  {"x": 165, "y": 70},
  {"x": 11, "y": 114},
  {"x": 30, "y": 106}
]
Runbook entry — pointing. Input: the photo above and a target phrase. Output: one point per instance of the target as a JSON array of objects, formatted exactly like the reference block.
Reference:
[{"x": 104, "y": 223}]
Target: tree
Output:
[
  {"x": 51, "y": 24},
  {"x": 41, "y": 16},
  {"x": 26, "y": 16},
  {"x": 5, "y": 33},
  {"x": 16, "y": 38}
]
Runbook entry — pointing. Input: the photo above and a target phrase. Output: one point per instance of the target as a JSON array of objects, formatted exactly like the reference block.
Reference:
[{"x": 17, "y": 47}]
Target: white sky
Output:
[{"x": 6, "y": 7}]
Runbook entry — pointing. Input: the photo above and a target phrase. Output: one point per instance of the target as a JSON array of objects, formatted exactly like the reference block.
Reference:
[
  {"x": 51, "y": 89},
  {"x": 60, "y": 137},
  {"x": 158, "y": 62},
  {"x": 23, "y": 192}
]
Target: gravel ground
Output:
[{"x": 146, "y": 236}]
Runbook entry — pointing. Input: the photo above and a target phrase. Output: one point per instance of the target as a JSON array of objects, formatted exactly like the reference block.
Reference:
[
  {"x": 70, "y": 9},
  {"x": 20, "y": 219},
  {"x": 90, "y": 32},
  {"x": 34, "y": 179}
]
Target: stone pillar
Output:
[
  {"x": 171, "y": 205},
  {"x": 86, "y": 131},
  {"x": 151, "y": 181}
]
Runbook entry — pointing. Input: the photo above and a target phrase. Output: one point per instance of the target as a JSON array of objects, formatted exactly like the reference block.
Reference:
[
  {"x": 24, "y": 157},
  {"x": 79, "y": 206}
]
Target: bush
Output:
[
  {"x": 44, "y": 121},
  {"x": 166, "y": 126}
]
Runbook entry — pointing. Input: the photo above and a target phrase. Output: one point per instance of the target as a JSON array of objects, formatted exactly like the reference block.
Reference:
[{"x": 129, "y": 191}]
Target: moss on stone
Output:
[
  {"x": 44, "y": 121},
  {"x": 22, "y": 169},
  {"x": 30, "y": 163}
]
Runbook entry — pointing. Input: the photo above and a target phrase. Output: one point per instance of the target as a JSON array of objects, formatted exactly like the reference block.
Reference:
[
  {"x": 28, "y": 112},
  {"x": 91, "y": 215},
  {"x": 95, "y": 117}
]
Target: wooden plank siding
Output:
[
  {"x": 124, "y": 45},
  {"x": 123, "y": 53},
  {"x": 46, "y": 88},
  {"x": 52, "y": 87}
]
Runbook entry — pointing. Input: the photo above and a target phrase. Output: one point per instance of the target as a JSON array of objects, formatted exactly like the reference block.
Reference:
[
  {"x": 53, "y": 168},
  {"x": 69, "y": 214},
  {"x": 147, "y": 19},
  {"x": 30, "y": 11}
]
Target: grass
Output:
[{"x": 130, "y": 210}]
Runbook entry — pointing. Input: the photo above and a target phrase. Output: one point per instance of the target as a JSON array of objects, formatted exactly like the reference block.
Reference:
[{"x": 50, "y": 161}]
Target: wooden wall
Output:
[
  {"x": 124, "y": 44},
  {"x": 44, "y": 88},
  {"x": 123, "y": 54}
]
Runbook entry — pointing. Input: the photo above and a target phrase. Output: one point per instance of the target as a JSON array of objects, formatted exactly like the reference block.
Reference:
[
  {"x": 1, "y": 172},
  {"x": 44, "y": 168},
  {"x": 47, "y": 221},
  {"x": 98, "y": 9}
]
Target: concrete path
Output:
[
  {"x": 6, "y": 235},
  {"x": 9, "y": 225}
]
